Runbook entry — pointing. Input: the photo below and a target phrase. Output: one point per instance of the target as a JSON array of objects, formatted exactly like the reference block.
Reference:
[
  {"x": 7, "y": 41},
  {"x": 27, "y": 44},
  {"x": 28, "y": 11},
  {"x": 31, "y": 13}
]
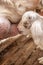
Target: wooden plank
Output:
[
  {"x": 6, "y": 42},
  {"x": 22, "y": 52},
  {"x": 16, "y": 56}
]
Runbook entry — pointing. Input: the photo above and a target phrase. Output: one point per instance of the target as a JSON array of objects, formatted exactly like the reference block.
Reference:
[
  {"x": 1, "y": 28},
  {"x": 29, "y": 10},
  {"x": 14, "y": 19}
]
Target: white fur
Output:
[{"x": 37, "y": 33}]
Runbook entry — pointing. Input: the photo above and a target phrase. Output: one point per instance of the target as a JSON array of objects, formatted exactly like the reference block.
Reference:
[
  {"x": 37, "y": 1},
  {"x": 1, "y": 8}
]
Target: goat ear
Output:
[{"x": 35, "y": 28}]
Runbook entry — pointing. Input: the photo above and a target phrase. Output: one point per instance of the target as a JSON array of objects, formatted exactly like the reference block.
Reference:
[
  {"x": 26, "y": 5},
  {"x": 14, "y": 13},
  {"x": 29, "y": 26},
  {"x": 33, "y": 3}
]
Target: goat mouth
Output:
[{"x": 27, "y": 26}]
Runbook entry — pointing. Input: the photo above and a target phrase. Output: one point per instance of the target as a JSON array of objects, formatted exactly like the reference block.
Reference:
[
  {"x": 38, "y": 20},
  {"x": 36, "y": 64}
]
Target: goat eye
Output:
[
  {"x": 20, "y": 5},
  {"x": 29, "y": 17}
]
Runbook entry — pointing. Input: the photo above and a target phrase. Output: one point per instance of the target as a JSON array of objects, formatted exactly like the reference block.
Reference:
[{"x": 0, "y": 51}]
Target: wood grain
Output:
[{"x": 20, "y": 53}]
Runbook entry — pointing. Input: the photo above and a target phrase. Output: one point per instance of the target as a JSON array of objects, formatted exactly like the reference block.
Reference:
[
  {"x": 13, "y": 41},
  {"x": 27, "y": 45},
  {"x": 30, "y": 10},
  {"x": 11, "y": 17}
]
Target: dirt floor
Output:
[{"x": 22, "y": 53}]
